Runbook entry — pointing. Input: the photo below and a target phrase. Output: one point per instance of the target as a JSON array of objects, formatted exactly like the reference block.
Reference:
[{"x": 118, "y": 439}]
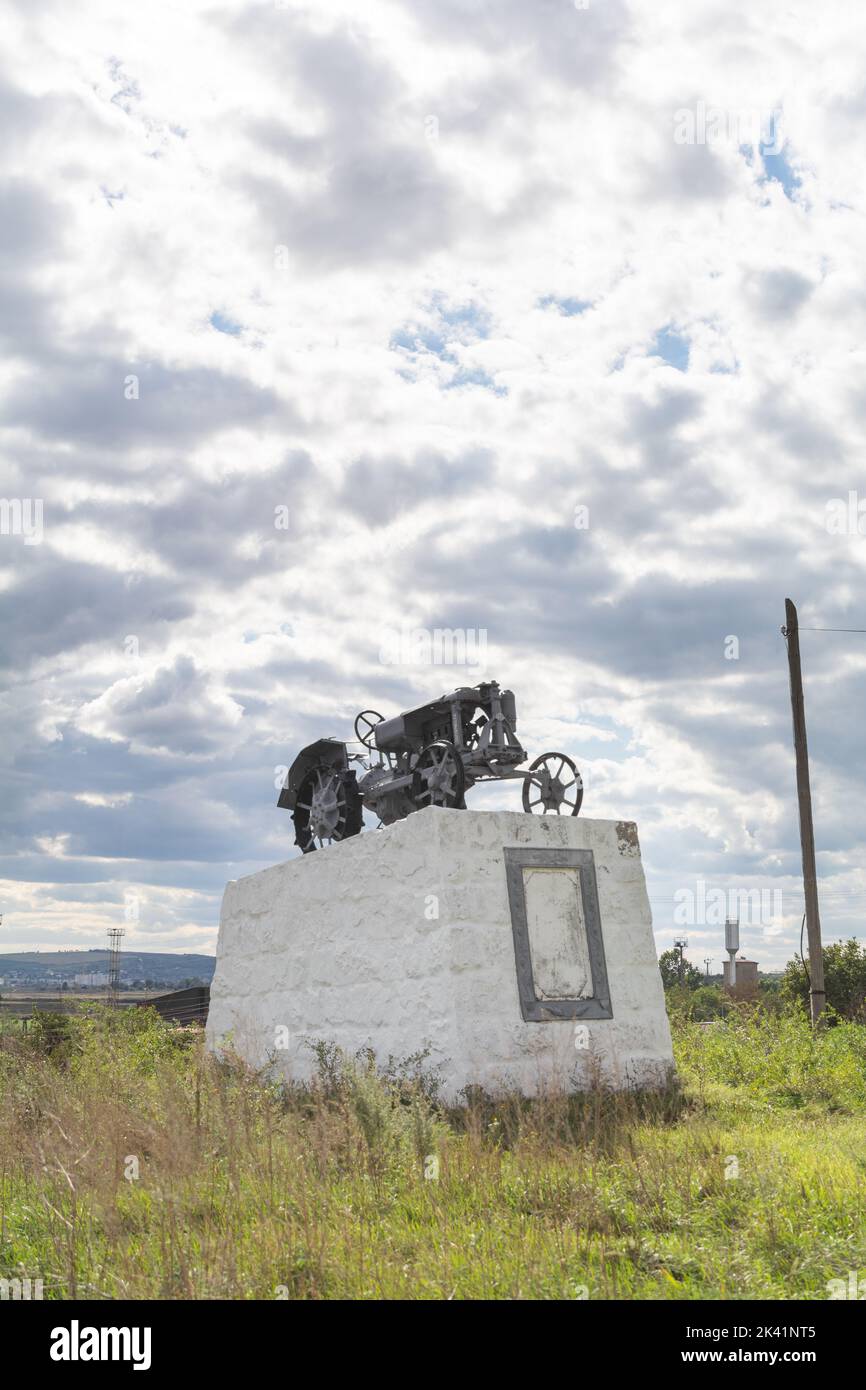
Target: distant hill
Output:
[{"x": 24, "y": 967}]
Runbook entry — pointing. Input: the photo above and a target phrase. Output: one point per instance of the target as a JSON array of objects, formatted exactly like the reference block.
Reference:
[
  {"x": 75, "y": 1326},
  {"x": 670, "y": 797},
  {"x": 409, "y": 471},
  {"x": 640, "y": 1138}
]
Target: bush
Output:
[
  {"x": 395, "y": 1108},
  {"x": 844, "y": 980},
  {"x": 709, "y": 1002}
]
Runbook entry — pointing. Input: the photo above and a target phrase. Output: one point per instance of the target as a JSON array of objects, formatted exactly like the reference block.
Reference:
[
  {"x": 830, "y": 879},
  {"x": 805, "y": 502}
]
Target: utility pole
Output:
[
  {"x": 708, "y": 962},
  {"x": 791, "y": 632},
  {"x": 679, "y": 945}
]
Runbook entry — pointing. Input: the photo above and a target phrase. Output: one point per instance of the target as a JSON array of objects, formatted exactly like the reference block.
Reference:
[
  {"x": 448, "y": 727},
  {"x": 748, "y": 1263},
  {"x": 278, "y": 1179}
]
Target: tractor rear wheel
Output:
[{"x": 328, "y": 808}]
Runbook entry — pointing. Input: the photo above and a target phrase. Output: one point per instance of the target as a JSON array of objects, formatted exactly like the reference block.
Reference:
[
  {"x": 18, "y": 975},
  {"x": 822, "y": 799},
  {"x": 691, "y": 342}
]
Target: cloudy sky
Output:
[{"x": 322, "y": 320}]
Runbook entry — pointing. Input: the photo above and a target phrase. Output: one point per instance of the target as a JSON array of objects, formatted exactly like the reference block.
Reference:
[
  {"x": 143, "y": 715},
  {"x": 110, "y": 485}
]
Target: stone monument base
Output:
[{"x": 518, "y": 949}]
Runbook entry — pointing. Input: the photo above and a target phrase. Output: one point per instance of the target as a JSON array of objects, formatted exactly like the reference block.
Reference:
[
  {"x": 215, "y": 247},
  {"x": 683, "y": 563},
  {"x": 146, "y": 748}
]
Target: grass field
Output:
[{"x": 133, "y": 1165}]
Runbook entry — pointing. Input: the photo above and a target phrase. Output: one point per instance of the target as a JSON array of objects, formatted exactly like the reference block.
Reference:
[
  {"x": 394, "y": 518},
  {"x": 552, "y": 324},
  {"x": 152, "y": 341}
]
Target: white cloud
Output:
[{"x": 488, "y": 228}]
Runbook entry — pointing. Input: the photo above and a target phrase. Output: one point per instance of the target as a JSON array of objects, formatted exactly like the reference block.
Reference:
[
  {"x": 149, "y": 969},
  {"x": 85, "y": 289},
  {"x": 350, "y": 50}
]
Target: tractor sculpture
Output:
[{"x": 426, "y": 757}]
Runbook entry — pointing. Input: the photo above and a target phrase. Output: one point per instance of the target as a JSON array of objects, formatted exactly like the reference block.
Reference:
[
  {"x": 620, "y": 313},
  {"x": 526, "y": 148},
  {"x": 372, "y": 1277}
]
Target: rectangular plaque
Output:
[{"x": 558, "y": 946}]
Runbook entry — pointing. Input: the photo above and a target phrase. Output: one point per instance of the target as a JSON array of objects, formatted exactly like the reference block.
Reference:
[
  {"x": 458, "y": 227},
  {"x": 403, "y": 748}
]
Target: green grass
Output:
[{"x": 134, "y": 1165}]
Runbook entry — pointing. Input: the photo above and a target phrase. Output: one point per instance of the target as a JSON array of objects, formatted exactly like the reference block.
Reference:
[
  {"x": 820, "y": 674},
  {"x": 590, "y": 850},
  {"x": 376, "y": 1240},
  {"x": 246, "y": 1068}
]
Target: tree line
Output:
[{"x": 844, "y": 981}]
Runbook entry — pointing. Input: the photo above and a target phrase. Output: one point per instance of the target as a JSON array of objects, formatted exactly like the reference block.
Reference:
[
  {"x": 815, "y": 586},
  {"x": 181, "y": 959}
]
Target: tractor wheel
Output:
[
  {"x": 438, "y": 777},
  {"x": 553, "y": 786},
  {"x": 328, "y": 808}
]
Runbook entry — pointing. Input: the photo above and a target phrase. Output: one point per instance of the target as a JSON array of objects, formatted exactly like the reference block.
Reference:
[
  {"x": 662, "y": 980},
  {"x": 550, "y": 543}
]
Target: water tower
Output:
[{"x": 732, "y": 946}]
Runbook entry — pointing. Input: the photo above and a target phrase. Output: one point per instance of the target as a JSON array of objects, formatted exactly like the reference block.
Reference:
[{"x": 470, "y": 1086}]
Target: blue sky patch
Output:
[
  {"x": 773, "y": 167},
  {"x": 223, "y": 324},
  {"x": 567, "y": 307},
  {"x": 441, "y": 332},
  {"x": 672, "y": 347},
  {"x": 421, "y": 340},
  {"x": 470, "y": 319},
  {"x": 475, "y": 376},
  {"x": 443, "y": 326},
  {"x": 778, "y": 170}
]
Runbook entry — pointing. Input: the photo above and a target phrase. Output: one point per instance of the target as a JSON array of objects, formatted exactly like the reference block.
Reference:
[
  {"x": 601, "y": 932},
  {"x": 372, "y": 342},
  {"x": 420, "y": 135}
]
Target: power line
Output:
[{"x": 833, "y": 629}]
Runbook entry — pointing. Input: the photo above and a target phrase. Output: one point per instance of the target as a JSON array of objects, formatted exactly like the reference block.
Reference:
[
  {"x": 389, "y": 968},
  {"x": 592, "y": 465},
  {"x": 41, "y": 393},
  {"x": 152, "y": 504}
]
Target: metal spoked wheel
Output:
[
  {"x": 555, "y": 787},
  {"x": 328, "y": 808},
  {"x": 438, "y": 778},
  {"x": 365, "y": 727}
]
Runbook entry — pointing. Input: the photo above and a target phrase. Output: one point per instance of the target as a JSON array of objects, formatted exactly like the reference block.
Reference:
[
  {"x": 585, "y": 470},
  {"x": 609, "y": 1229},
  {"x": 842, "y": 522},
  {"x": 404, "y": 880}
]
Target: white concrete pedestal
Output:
[{"x": 517, "y": 948}]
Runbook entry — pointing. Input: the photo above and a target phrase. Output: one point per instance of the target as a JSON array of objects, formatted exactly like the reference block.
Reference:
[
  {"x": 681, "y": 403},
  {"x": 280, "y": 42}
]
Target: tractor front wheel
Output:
[
  {"x": 438, "y": 777},
  {"x": 553, "y": 786}
]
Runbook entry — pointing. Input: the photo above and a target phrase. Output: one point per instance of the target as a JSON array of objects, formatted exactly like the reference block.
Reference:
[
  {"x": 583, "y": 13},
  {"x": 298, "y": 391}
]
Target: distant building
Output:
[
  {"x": 741, "y": 978},
  {"x": 93, "y": 980}
]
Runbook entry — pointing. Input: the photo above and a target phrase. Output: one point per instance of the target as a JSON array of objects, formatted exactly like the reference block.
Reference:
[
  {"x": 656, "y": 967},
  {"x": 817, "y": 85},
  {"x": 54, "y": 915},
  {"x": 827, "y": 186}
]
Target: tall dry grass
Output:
[{"x": 135, "y": 1165}]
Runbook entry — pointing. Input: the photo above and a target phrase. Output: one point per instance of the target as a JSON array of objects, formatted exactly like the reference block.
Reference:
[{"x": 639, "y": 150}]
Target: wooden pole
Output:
[{"x": 804, "y": 797}]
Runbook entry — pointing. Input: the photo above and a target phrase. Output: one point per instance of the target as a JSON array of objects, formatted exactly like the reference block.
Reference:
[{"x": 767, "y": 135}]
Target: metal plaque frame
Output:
[{"x": 533, "y": 1009}]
